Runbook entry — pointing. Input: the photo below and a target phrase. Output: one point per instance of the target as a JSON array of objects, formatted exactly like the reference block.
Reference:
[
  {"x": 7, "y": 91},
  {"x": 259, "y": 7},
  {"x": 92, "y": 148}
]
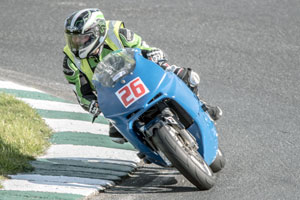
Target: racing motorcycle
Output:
[{"x": 159, "y": 115}]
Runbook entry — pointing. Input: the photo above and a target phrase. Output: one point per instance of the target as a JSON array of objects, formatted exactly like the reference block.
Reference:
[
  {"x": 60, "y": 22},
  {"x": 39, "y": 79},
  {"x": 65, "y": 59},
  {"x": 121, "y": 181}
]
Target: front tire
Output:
[{"x": 189, "y": 162}]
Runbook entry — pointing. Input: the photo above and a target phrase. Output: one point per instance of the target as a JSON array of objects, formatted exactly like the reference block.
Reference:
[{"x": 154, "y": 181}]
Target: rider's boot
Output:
[
  {"x": 214, "y": 112},
  {"x": 143, "y": 157},
  {"x": 115, "y": 135}
]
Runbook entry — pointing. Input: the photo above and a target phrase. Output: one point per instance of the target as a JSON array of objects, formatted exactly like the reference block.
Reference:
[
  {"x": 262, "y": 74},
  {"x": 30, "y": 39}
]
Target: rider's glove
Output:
[
  {"x": 94, "y": 108},
  {"x": 156, "y": 55}
]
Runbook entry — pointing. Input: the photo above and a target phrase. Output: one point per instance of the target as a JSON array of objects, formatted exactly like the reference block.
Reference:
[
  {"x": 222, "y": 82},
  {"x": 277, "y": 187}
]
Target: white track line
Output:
[
  {"x": 53, "y": 105},
  {"x": 77, "y": 151},
  {"x": 62, "y": 179},
  {"x": 71, "y": 187},
  {"x": 11, "y": 85},
  {"x": 64, "y": 125}
]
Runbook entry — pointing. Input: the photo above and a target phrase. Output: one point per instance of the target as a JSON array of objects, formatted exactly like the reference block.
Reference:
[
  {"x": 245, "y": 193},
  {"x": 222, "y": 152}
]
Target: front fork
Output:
[
  {"x": 172, "y": 120},
  {"x": 185, "y": 138}
]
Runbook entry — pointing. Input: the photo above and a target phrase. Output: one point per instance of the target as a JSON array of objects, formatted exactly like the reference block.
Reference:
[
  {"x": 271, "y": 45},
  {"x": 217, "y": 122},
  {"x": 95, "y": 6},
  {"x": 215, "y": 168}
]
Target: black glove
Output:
[
  {"x": 94, "y": 108},
  {"x": 155, "y": 55}
]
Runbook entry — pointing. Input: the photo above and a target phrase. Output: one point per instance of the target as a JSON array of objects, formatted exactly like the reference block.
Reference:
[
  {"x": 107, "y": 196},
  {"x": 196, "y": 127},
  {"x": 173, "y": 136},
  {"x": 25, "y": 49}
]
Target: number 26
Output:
[{"x": 132, "y": 92}]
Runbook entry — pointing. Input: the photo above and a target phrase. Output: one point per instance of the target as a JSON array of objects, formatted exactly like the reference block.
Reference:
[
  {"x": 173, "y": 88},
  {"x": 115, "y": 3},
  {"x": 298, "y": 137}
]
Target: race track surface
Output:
[{"x": 247, "y": 53}]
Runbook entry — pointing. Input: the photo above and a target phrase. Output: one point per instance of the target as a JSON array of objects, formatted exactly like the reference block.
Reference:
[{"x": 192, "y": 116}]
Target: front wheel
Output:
[{"x": 189, "y": 162}]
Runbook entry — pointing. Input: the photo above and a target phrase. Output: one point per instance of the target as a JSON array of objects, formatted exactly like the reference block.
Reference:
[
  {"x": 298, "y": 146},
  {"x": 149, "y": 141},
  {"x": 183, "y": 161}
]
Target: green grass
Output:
[{"x": 23, "y": 135}]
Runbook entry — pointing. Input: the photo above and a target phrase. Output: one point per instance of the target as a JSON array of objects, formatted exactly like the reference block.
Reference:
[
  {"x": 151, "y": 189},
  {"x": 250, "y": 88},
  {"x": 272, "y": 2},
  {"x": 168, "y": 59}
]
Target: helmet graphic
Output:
[{"x": 85, "y": 31}]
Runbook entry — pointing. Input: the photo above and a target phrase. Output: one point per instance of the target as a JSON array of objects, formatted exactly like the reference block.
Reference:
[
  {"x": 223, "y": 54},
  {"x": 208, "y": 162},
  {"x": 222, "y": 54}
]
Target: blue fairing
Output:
[{"x": 170, "y": 86}]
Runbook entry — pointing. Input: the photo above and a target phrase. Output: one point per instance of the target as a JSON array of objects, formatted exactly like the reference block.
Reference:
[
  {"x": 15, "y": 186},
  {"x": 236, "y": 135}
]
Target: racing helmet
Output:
[{"x": 85, "y": 32}]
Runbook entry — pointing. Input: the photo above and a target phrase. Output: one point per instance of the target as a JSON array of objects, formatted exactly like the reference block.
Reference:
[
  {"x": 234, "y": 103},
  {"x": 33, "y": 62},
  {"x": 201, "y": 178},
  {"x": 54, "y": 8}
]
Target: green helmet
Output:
[{"x": 85, "y": 31}]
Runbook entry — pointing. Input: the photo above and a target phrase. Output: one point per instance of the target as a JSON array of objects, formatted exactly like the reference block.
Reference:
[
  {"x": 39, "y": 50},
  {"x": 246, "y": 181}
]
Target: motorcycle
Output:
[{"x": 159, "y": 115}]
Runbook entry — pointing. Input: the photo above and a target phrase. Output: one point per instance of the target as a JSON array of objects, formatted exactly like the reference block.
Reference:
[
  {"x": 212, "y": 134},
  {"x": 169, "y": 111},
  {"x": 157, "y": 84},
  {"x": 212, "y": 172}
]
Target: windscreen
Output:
[{"x": 114, "y": 66}]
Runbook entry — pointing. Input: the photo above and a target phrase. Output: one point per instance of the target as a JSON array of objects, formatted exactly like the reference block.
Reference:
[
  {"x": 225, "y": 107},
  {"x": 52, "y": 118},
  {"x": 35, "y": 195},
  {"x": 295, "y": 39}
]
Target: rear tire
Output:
[{"x": 189, "y": 162}]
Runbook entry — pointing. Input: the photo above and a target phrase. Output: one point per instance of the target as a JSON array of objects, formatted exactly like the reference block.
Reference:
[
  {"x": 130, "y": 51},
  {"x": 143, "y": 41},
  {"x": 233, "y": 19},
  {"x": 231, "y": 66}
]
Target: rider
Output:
[{"x": 89, "y": 39}]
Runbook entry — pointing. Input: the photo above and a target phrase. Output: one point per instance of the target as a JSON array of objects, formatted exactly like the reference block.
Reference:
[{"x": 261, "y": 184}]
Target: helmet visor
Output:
[{"x": 77, "y": 42}]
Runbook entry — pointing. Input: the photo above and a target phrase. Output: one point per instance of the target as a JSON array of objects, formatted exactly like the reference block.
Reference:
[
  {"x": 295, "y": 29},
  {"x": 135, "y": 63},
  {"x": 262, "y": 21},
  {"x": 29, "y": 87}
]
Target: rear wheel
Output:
[{"x": 187, "y": 160}]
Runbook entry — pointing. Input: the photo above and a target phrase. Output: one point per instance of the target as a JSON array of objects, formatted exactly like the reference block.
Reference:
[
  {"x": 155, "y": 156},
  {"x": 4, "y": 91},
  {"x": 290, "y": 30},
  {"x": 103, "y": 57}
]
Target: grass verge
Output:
[{"x": 23, "y": 136}]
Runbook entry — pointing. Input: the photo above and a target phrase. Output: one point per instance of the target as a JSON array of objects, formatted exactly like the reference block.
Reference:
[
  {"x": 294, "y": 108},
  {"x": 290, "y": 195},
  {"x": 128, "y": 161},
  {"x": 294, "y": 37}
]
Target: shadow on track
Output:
[{"x": 153, "y": 179}]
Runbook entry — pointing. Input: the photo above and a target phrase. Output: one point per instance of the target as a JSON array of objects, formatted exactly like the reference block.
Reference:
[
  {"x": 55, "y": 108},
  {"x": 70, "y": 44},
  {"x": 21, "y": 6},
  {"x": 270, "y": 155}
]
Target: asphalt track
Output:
[{"x": 247, "y": 53}]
